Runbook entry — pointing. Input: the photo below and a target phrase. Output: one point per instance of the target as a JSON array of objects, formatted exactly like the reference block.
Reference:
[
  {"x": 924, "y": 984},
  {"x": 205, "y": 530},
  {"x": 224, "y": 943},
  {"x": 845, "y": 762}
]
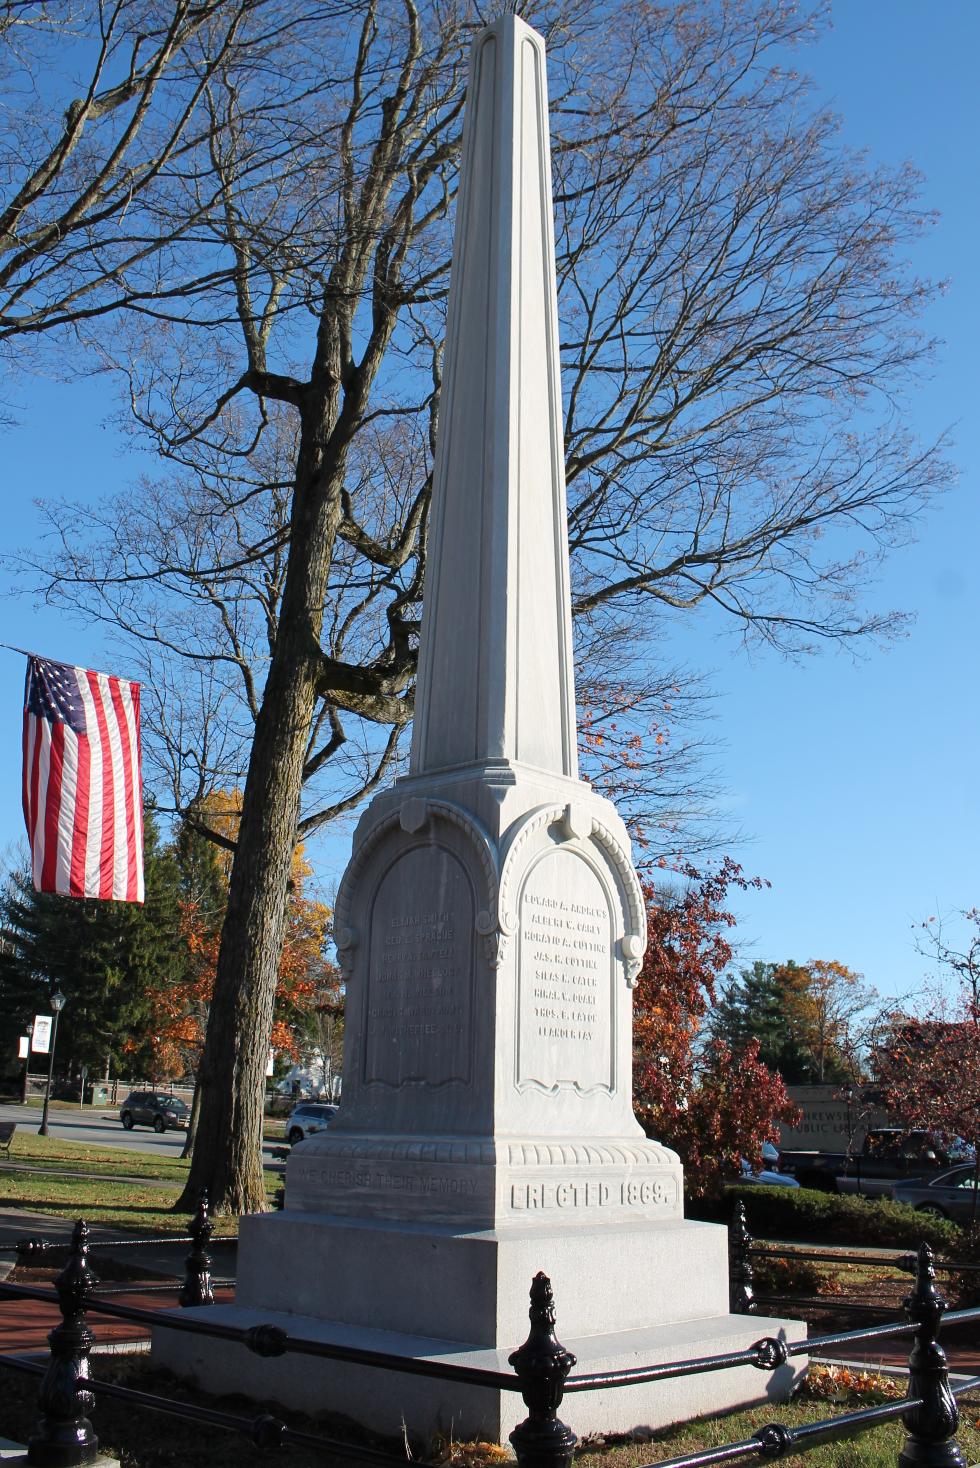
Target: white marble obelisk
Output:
[
  {"x": 490, "y": 922},
  {"x": 490, "y": 926}
]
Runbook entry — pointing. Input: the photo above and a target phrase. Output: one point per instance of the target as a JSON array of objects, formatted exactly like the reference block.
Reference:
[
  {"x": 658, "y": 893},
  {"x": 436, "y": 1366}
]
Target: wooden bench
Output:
[{"x": 7, "y": 1129}]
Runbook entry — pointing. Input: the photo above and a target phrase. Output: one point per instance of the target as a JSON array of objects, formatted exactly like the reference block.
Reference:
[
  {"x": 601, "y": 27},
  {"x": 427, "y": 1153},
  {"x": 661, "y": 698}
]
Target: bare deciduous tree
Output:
[
  {"x": 738, "y": 329},
  {"x": 85, "y": 228}
]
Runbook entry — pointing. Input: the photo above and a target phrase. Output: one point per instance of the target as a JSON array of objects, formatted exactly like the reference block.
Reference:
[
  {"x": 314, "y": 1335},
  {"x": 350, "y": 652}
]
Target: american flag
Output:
[{"x": 83, "y": 793}]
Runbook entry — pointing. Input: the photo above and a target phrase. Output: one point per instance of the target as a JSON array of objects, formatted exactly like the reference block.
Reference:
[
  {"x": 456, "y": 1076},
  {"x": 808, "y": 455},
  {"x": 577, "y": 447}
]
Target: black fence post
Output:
[
  {"x": 542, "y": 1364},
  {"x": 740, "y": 1294},
  {"x": 64, "y": 1437},
  {"x": 931, "y": 1428},
  {"x": 196, "y": 1289}
]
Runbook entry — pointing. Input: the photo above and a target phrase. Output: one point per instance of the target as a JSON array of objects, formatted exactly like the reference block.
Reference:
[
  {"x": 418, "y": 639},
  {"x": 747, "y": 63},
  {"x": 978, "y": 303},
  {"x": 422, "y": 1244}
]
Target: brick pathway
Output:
[
  {"x": 961, "y": 1344},
  {"x": 24, "y": 1324}
]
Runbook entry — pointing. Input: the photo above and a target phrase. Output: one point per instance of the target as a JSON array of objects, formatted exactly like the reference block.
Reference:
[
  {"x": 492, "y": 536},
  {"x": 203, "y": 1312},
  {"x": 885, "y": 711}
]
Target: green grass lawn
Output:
[
  {"x": 873, "y": 1449},
  {"x": 51, "y": 1153},
  {"x": 142, "y": 1206}
]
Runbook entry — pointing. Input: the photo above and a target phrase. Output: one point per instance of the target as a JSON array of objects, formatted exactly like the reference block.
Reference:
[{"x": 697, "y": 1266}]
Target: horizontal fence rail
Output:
[
  {"x": 265, "y": 1430},
  {"x": 543, "y": 1373},
  {"x": 30, "y": 1249},
  {"x": 743, "y": 1249},
  {"x": 197, "y": 1287},
  {"x": 270, "y": 1340},
  {"x": 266, "y": 1339},
  {"x": 775, "y": 1440},
  {"x": 762, "y": 1250}
]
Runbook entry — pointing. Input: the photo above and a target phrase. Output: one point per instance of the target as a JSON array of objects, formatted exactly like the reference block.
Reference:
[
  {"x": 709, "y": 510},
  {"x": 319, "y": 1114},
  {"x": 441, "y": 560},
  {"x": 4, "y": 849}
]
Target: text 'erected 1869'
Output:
[{"x": 646, "y": 1192}]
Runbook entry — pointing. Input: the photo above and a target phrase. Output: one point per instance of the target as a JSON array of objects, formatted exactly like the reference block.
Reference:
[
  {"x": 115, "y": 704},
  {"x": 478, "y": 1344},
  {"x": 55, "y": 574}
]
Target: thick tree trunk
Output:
[
  {"x": 227, "y": 1157},
  {"x": 227, "y": 1153}
]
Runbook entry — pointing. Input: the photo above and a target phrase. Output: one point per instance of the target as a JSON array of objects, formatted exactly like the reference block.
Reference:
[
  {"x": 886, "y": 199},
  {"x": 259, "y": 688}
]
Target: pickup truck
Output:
[{"x": 888, "y": 1155}]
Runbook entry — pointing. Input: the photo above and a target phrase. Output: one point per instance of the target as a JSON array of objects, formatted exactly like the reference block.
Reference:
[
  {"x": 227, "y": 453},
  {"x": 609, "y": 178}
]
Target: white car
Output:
[{"x": 306, "y": 1118}]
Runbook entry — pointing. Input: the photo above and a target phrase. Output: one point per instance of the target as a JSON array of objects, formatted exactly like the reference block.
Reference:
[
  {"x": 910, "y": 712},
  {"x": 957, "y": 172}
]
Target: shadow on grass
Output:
[
  {"x": 83, "y": 1174},
  {"x": 59, "y": 1208}
]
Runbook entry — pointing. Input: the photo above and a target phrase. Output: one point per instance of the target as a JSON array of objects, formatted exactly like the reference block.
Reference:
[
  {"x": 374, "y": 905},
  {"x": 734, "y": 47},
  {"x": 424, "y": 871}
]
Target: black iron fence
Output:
[
  {"x": 543, "y": 1373},
  {"x": 197, "y": 1286},
  {"x": 744, "y": 1295}
]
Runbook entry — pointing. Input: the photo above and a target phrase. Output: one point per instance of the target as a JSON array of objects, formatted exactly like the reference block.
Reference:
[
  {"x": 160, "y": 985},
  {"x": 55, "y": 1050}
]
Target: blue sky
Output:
[
  {"x": 855, "y": 783},
  {"x": 858, "y": 781}
]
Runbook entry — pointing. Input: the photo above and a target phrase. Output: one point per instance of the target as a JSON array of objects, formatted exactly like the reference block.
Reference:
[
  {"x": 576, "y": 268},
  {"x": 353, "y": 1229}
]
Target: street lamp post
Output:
[
  {"x": 27, "y": 1063},
  {"x": 57, "y": 1005}
]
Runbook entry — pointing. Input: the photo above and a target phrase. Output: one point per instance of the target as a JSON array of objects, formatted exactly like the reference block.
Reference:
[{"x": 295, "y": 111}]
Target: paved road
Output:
[
  {"x": 101, "y": 1127},
  {"x": 95, "y": 1126}
]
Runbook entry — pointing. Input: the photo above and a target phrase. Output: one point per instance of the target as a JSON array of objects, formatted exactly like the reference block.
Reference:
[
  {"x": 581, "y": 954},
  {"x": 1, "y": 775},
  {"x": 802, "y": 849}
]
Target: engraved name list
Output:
[{"x": 565, "y": 976}]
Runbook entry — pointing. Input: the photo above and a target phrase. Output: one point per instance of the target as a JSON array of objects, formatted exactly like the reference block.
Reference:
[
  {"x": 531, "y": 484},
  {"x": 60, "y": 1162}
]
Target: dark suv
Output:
[{"x": 155, "y": 1109}]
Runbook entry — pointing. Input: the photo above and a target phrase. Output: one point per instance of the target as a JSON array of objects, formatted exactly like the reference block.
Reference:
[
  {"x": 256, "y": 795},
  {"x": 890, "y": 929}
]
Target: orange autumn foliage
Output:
[
  {"x": 712, "y": 1108},
  {"x": 179, "y": 1007}
]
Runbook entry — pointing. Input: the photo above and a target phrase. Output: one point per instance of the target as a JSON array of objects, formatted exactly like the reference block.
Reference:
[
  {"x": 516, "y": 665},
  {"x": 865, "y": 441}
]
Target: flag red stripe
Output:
[
  {"x": 134, "y": 695},
  {"x": 35, "y": 779},
  {"x": 79, "y": 835},
  {"x": 122, "y": 734},
  {"x": 107, "y": 854},
  {"x": 52, "y": 808},
  {"x": 26, "y": 773}
]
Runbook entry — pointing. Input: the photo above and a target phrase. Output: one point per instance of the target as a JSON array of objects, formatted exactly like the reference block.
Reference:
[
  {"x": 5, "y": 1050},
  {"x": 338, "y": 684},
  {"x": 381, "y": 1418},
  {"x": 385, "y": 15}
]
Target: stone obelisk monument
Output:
[{"x": 490, "y": 927}]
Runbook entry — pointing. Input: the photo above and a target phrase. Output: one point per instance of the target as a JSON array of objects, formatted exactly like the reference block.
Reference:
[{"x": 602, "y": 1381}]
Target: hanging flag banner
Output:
[
  {"x": 41, "y": 1036},
  {"x": 23, "y": 1047},
  {"x": 270, "y": 1064},
  {"x": 83, "y": 790}
]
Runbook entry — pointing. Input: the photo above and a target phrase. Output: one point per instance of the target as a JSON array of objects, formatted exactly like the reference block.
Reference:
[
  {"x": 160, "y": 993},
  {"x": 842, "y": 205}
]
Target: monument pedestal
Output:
[{"x": 626, "y": 1295}]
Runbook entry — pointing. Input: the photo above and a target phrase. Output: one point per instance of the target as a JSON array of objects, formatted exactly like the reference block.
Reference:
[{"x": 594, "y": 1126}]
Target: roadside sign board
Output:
[
  {"x": 41, "y": 1039},
  {"x": 830, "y": 1122},
  {"x": 23, "y": 1046}
]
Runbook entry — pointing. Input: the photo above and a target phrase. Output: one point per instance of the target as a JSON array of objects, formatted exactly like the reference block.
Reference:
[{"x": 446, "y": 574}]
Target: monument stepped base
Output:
[
  {"x": 462, "y": 1297},
  {"x": 389, "y": 1403}
]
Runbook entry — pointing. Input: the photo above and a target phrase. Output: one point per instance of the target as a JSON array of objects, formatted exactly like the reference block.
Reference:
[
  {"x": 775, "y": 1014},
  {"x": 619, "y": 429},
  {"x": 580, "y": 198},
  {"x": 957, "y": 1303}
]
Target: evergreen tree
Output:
[
  {"x": 101, "y": 955},
  {"x": 763, "y": 1004}
]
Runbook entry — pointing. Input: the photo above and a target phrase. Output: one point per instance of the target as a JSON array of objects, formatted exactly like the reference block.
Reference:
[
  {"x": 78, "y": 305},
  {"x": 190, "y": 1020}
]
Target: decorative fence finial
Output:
[
  {"x": 931, "y": 1440},
  {"x": 196, "y": 1289},
  {"x": 64, "y": 1437},
  {"x": 542, "y": 1364}
]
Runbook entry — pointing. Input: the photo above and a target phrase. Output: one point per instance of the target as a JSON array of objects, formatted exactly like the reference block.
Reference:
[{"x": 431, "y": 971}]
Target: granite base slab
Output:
[
  {"x": 625, "y": 1295},
  {"x": 392, "y": 1403},
  {"x": 473, "y": 1285}
]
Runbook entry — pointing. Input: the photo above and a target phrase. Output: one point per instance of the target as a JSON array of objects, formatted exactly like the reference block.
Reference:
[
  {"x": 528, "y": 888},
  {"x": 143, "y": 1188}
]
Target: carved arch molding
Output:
[{"x": 498, "y": 878}]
